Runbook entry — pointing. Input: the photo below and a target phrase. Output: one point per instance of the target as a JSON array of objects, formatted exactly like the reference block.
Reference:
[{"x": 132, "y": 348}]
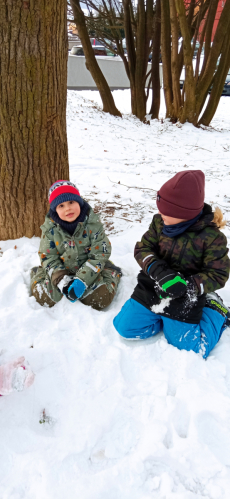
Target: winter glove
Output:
[
  {"x": 183, "y": 305},
  {"x": 191, "y": 286},
  {"x": 156, "y": 268},
  {"x": 168, "y": 282},
  {"x": 74, "y": 288},
  {"x": 191, "y": 292}
]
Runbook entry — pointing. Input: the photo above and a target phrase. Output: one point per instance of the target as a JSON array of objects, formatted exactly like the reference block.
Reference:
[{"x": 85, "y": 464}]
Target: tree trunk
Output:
[
  {"x": 130, "y": 45},
  {"x": 218, "y": 84},
  {"x": 206, "y": 76},
  {"x": 188, "y": 111},
  {"x": 166, "y": 56},
  {"x": 33, "y": 83},
  {"x": 91, "y": 61},
  {"x": 139, "y": 28},
  {"x": 141, "y": 64},
  {"x": 155, "y": 63},
  {"x": 175, "y": 65},
  {"x": 209, "y": 28}
]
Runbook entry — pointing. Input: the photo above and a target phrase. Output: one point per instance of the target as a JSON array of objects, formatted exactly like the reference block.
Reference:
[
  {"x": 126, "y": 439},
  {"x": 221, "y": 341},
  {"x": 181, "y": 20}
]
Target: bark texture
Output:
[{"x": 33, "y": 83}]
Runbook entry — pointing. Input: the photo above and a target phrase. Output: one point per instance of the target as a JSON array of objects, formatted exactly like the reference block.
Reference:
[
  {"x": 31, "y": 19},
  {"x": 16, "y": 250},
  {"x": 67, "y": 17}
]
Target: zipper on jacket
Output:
[
  {"x": 171, "y": 251},
  {"x": 182, "y": 250}
]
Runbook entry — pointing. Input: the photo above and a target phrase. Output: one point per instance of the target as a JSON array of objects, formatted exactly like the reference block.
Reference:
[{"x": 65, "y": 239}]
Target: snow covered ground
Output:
[{"x": 105, "y": 418}]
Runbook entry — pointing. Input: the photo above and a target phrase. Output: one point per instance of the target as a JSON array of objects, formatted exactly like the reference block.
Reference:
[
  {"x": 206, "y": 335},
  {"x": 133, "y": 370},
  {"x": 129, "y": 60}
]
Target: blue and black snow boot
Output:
[{"x": 214, "y": 301}]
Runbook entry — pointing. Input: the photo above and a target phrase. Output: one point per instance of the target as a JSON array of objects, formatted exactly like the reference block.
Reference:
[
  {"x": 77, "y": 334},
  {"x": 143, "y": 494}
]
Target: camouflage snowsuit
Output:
[
  {"x": 201, "y": 251},
  {"x": 85, "y": 254}
]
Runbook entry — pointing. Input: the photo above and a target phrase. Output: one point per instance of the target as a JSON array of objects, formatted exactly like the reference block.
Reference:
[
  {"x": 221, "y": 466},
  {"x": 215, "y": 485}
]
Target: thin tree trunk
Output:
[
  {"x": 201, "y": 41},
  {"x": 91, "y": 62},
  {"x": 189, "y": 103},
  {"x": 166, "y": 56},
  {"x": 138, "y": 59},
  {"x": 175, "y": 59},
  {"x": 209, "y": 28},
  {"x": 130, "y": 45},
  {"x": 155, "y": 63},
  {"x": 33, "y": 88},
  {"x": 141, "y": 65},
  {"x": 205, "y": 80},
  {"x": 218, "y": 84},
  {"x": 191, "y": 12}
]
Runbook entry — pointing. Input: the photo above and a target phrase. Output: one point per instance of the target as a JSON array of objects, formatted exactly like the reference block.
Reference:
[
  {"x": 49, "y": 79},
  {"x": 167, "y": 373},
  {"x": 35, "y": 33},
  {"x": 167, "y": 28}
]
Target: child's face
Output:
[
  {"x": 171, "y": 220},
  {"x": 68, "y": 211}
]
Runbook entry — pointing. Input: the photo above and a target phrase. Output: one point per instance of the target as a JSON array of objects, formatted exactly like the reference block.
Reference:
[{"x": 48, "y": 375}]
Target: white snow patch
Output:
[
  {"x": 158, "y": 309},
  {"x": 40, "y": 289},
  {"x": 105, "y": 417}
]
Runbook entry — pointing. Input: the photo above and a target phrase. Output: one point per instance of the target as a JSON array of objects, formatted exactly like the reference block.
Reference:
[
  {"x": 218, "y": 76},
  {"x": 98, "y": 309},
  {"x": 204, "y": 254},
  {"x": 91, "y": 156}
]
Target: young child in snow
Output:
[
  {"x": 74, "y": 253},
  {"x": 184, "y": 260},
  {"x": 15, "y": 376}
]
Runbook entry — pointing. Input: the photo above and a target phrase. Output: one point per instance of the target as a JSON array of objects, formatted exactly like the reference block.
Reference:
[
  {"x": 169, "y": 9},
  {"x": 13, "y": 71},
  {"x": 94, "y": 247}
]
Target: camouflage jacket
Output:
[
  {"x": 201, "y": 251},
  {"x": 83, "y": 254}
]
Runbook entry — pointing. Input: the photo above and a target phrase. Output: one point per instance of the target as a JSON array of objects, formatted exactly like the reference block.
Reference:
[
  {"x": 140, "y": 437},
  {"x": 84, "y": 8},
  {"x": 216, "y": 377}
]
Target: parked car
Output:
[
  {"x": 99, "y": 50},
  {"x": 226, "y": 89},
  {"x": 96, "y": 43},
  {"x": 151, "y": 56}
]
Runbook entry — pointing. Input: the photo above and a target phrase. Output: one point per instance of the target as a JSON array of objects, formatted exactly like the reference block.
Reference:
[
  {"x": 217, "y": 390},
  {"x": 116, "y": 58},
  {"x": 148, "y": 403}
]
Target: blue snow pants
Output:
[{"x": 134, "y": 321}]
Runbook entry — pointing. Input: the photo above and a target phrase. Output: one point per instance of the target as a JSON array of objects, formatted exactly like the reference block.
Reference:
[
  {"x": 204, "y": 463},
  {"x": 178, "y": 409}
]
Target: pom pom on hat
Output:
[
  {"x": 183, "y": 195},
  {"x": 62, "y": 191}
]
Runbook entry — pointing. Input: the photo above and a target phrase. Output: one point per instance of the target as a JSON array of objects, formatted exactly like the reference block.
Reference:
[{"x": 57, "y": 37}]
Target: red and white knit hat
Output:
[{"x": 61, "y": 191}]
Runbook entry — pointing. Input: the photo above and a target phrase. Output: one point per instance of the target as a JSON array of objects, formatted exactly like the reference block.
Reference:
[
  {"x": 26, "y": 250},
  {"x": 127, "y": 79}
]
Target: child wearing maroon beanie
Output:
[
  {"x": 184, "y": 260},
  {"x": 74, "y": 253}
]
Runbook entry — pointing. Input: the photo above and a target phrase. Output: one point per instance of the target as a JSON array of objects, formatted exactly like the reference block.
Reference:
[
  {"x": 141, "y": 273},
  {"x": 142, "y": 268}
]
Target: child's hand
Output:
[
  {"x": 74, "y": 289},
  {"x": 170, "y": 284}
]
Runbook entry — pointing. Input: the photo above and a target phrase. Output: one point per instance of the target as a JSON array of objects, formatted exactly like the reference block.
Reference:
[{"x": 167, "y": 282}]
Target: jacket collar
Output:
[
  {"x": 177, "y": 229},
  {"x": 206, "y": 220}
]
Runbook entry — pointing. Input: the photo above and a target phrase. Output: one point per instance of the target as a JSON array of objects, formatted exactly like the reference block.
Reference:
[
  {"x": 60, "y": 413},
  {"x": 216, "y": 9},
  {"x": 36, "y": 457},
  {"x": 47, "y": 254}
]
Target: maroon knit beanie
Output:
[{"x": 183, "y": 195}]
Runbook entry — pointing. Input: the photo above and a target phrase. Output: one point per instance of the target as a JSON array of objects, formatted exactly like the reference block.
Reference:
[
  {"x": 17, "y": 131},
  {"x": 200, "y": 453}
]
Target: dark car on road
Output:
[
  {"x": 98, "y": 50},
  {"x": 226, "y": 89}
]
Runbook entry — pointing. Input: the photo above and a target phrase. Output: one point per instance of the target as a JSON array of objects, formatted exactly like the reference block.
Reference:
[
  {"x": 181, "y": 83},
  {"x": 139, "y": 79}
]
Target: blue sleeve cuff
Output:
[{"x": 148, "y": 269}]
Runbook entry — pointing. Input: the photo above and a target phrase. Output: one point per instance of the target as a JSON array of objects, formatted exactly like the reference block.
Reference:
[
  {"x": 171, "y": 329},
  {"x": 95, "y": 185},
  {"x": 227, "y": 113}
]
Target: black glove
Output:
[
  {"x": 156, "y": 268},
  {"x": 168, "y": 283},
  {"x": 192, "y": 289}
]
